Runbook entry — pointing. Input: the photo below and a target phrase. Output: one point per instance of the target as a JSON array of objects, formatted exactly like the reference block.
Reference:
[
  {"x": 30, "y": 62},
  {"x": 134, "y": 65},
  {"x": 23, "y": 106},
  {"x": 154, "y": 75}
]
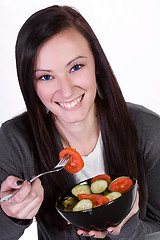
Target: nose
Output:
[{"x": 65, "y": 86}]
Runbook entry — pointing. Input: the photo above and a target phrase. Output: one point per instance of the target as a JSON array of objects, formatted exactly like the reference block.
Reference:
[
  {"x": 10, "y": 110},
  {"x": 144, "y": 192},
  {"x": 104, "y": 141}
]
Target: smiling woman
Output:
[{"x": 73, "y": 100}]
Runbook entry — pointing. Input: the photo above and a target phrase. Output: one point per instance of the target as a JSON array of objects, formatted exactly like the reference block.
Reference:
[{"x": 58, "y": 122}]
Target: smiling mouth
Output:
[{"x": 71, "y": 104}]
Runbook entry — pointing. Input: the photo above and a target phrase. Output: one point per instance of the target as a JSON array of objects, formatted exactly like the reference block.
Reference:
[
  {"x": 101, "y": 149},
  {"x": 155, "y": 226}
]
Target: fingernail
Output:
[{"x": 19, "y": 182}]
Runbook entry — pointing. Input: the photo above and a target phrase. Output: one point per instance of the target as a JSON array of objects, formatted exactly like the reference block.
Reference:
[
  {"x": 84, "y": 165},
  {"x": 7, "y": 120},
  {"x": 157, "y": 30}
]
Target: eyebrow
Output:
[
  {"x": 41, "y": 70},
  {"x": 45, "y": 70},
  {"x": 75, "y": 60}
]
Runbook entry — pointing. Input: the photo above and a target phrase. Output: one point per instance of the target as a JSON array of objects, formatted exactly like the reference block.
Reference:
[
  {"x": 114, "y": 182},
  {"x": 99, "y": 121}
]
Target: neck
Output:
[{"x": 81, "y": 136}]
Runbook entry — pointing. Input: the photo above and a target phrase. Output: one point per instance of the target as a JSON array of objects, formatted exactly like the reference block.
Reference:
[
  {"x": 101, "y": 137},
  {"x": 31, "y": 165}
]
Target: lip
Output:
[{"x": 71, "y": 104}]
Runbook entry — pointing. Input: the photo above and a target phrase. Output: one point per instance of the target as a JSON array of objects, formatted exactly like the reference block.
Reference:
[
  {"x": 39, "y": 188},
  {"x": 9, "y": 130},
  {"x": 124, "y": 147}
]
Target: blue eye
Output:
[
  {"x": 46, "y": 77},
  {"x": 76, "y": 67}
]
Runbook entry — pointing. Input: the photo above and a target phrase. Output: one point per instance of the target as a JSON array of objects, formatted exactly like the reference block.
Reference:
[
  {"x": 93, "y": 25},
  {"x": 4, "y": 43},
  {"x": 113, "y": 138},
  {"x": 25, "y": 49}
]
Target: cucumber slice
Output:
[
  {"x": 83, "y": 204},
  {"x": 99, "y": 186},
  {"x": 81, "y": 189},
  {"x": 113, "y": 195}
]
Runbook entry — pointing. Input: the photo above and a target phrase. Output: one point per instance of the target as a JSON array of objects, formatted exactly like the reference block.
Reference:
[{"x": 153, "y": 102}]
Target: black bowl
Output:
[{"x": 102, "y": 217}]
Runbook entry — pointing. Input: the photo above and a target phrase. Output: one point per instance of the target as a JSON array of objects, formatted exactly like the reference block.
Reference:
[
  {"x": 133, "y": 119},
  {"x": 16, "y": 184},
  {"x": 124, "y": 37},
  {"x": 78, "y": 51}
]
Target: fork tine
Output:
[{"x": 63, "y": 160}]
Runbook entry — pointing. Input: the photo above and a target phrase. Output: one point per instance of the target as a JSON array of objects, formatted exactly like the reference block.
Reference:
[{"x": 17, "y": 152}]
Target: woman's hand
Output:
[
  {"x": 112, "y": 230},
  {"x": 26, "y": 202}
]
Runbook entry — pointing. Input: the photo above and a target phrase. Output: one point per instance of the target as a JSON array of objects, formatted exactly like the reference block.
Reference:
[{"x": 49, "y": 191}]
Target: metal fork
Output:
[{"x": 62, "y": 163}]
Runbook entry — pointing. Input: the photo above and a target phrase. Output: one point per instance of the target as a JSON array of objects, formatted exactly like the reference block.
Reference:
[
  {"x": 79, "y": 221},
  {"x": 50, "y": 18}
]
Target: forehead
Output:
[{"x": 64, "y": 46}]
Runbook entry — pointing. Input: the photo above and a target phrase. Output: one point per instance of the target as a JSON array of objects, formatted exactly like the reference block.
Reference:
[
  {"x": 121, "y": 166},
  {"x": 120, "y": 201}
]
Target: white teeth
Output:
[{"x": 71, "y": 104}]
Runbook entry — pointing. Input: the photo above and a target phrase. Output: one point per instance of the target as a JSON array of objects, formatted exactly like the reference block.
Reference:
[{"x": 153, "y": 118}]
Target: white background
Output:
[{"x": 129, "y": 31}]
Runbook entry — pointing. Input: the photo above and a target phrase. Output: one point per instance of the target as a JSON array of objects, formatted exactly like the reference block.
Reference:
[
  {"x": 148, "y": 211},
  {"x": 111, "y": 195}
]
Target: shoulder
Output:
[
  {"x": 14, "y": 133},
  {"x": 16, "y": 125},
  {"x": 143, "y": 118},
  {"x": 141, "y": 112},
  {"x": 147, "y": 124},
  {"x": 16, "y": 155},
  {"x": 146, "y": 121}
]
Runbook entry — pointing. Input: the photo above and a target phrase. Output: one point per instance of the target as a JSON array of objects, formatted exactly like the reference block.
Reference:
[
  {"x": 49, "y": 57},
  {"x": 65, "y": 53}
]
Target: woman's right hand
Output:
[{"x": 26, "y": 202}]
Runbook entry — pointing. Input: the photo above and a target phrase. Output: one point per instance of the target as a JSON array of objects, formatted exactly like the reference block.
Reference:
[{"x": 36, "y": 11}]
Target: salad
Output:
[{"x": 100, "y": 191}]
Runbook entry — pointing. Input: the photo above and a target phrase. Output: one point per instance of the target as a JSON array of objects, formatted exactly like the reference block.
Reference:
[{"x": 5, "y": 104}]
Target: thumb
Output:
[
  {"x": 114, "y": 230},
  {"x": 11, "y": 183},
  {"x": 110, "y": 230}
]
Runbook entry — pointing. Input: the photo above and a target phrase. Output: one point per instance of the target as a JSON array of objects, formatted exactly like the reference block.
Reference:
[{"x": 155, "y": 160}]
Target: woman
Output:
[{"x": 73, "y": 99}]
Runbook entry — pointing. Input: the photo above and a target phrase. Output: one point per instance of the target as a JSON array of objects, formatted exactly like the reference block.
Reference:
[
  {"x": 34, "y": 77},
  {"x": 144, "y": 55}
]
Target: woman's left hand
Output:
[{"x": 112, "y": 230}]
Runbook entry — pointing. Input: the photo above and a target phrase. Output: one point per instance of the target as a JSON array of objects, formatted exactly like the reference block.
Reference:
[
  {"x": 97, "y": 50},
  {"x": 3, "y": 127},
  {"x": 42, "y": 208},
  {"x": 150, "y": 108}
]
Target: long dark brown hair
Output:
[{"x": 122, "y": 152}]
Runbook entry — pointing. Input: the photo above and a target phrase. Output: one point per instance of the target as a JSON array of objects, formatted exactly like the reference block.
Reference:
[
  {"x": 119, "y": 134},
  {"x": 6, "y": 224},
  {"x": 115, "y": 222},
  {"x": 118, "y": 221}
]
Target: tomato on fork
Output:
[{"x": 75, "y": 163}]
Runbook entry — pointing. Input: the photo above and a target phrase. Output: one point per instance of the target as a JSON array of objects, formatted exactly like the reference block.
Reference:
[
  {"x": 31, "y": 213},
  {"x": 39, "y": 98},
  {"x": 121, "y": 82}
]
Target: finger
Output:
[
  {"x": 23, "y": 192},
  {"x": 137, "y": 201},
  {"x": 37, "y": 196},
  {"x": 33, "y": 208},
  {"x": 33, "y": 201},
  {"x": 11, "y": 183},
  {"x": 82, "y": 232},
  {"x": 98, "y": 234},
  {"x": 27, "y": 211},
  {"x": 114, "y": 230},
  {"x": 28, "y": 192},
  {"x": 95, "y": 234}
]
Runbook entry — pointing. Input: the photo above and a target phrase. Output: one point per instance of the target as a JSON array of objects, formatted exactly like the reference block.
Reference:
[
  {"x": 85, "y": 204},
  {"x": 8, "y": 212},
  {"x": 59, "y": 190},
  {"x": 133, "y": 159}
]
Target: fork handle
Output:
[
  {"x": 8, "y": 196},
  {"x": 41, "y": 174}
]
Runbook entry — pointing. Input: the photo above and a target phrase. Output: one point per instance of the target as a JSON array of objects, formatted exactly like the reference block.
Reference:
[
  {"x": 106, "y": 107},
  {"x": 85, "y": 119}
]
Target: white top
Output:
[{"x": 93, "y": 163}]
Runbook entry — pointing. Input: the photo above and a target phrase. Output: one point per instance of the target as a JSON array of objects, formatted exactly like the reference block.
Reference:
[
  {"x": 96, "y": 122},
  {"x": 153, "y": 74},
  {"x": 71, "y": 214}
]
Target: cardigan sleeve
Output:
[
  {"x": 148, "y": 127},
  {"x": 15, "y": 160}
]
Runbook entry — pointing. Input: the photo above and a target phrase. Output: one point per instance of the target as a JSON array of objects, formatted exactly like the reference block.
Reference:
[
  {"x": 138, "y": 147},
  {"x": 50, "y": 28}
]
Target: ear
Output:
[
  {"x": 99, "y": 92},
  {"x": 98, "y": 88}
]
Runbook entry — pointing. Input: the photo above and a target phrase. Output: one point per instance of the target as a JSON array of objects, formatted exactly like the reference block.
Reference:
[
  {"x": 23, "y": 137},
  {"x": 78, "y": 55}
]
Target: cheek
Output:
[
  {"x": 91, "y": 83},
  {"x": 43, "y": 92},
  {"x": 89, "y": 80}
]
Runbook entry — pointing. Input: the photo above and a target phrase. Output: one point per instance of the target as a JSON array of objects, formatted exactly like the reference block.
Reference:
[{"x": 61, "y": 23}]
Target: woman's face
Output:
[{"x": 65, "y": 77}]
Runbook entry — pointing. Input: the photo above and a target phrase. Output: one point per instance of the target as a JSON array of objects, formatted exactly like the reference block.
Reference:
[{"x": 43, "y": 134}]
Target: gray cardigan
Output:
[{"x": 16, "y": 158}]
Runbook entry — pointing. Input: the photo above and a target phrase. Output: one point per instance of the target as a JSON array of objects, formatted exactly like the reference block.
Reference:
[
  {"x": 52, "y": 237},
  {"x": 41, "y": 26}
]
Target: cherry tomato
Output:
[
  {"x": 101, "y": 176},
  {"x": 75, "y": 164},
  {"x": 97, "y": 200},
  {"x": 121, "y": 184}
]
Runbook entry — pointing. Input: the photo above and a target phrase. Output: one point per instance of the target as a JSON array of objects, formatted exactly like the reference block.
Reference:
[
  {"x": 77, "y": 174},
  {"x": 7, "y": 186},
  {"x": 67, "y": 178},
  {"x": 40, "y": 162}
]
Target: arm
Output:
[
  {"x": 148, "y": 127},
  {"x": 15, "y": 160}
]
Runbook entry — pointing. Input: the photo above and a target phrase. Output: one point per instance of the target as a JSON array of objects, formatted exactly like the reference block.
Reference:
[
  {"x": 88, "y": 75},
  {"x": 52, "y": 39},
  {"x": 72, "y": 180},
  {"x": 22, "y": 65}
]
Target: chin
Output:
[{"x": 74, "y": 119}]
